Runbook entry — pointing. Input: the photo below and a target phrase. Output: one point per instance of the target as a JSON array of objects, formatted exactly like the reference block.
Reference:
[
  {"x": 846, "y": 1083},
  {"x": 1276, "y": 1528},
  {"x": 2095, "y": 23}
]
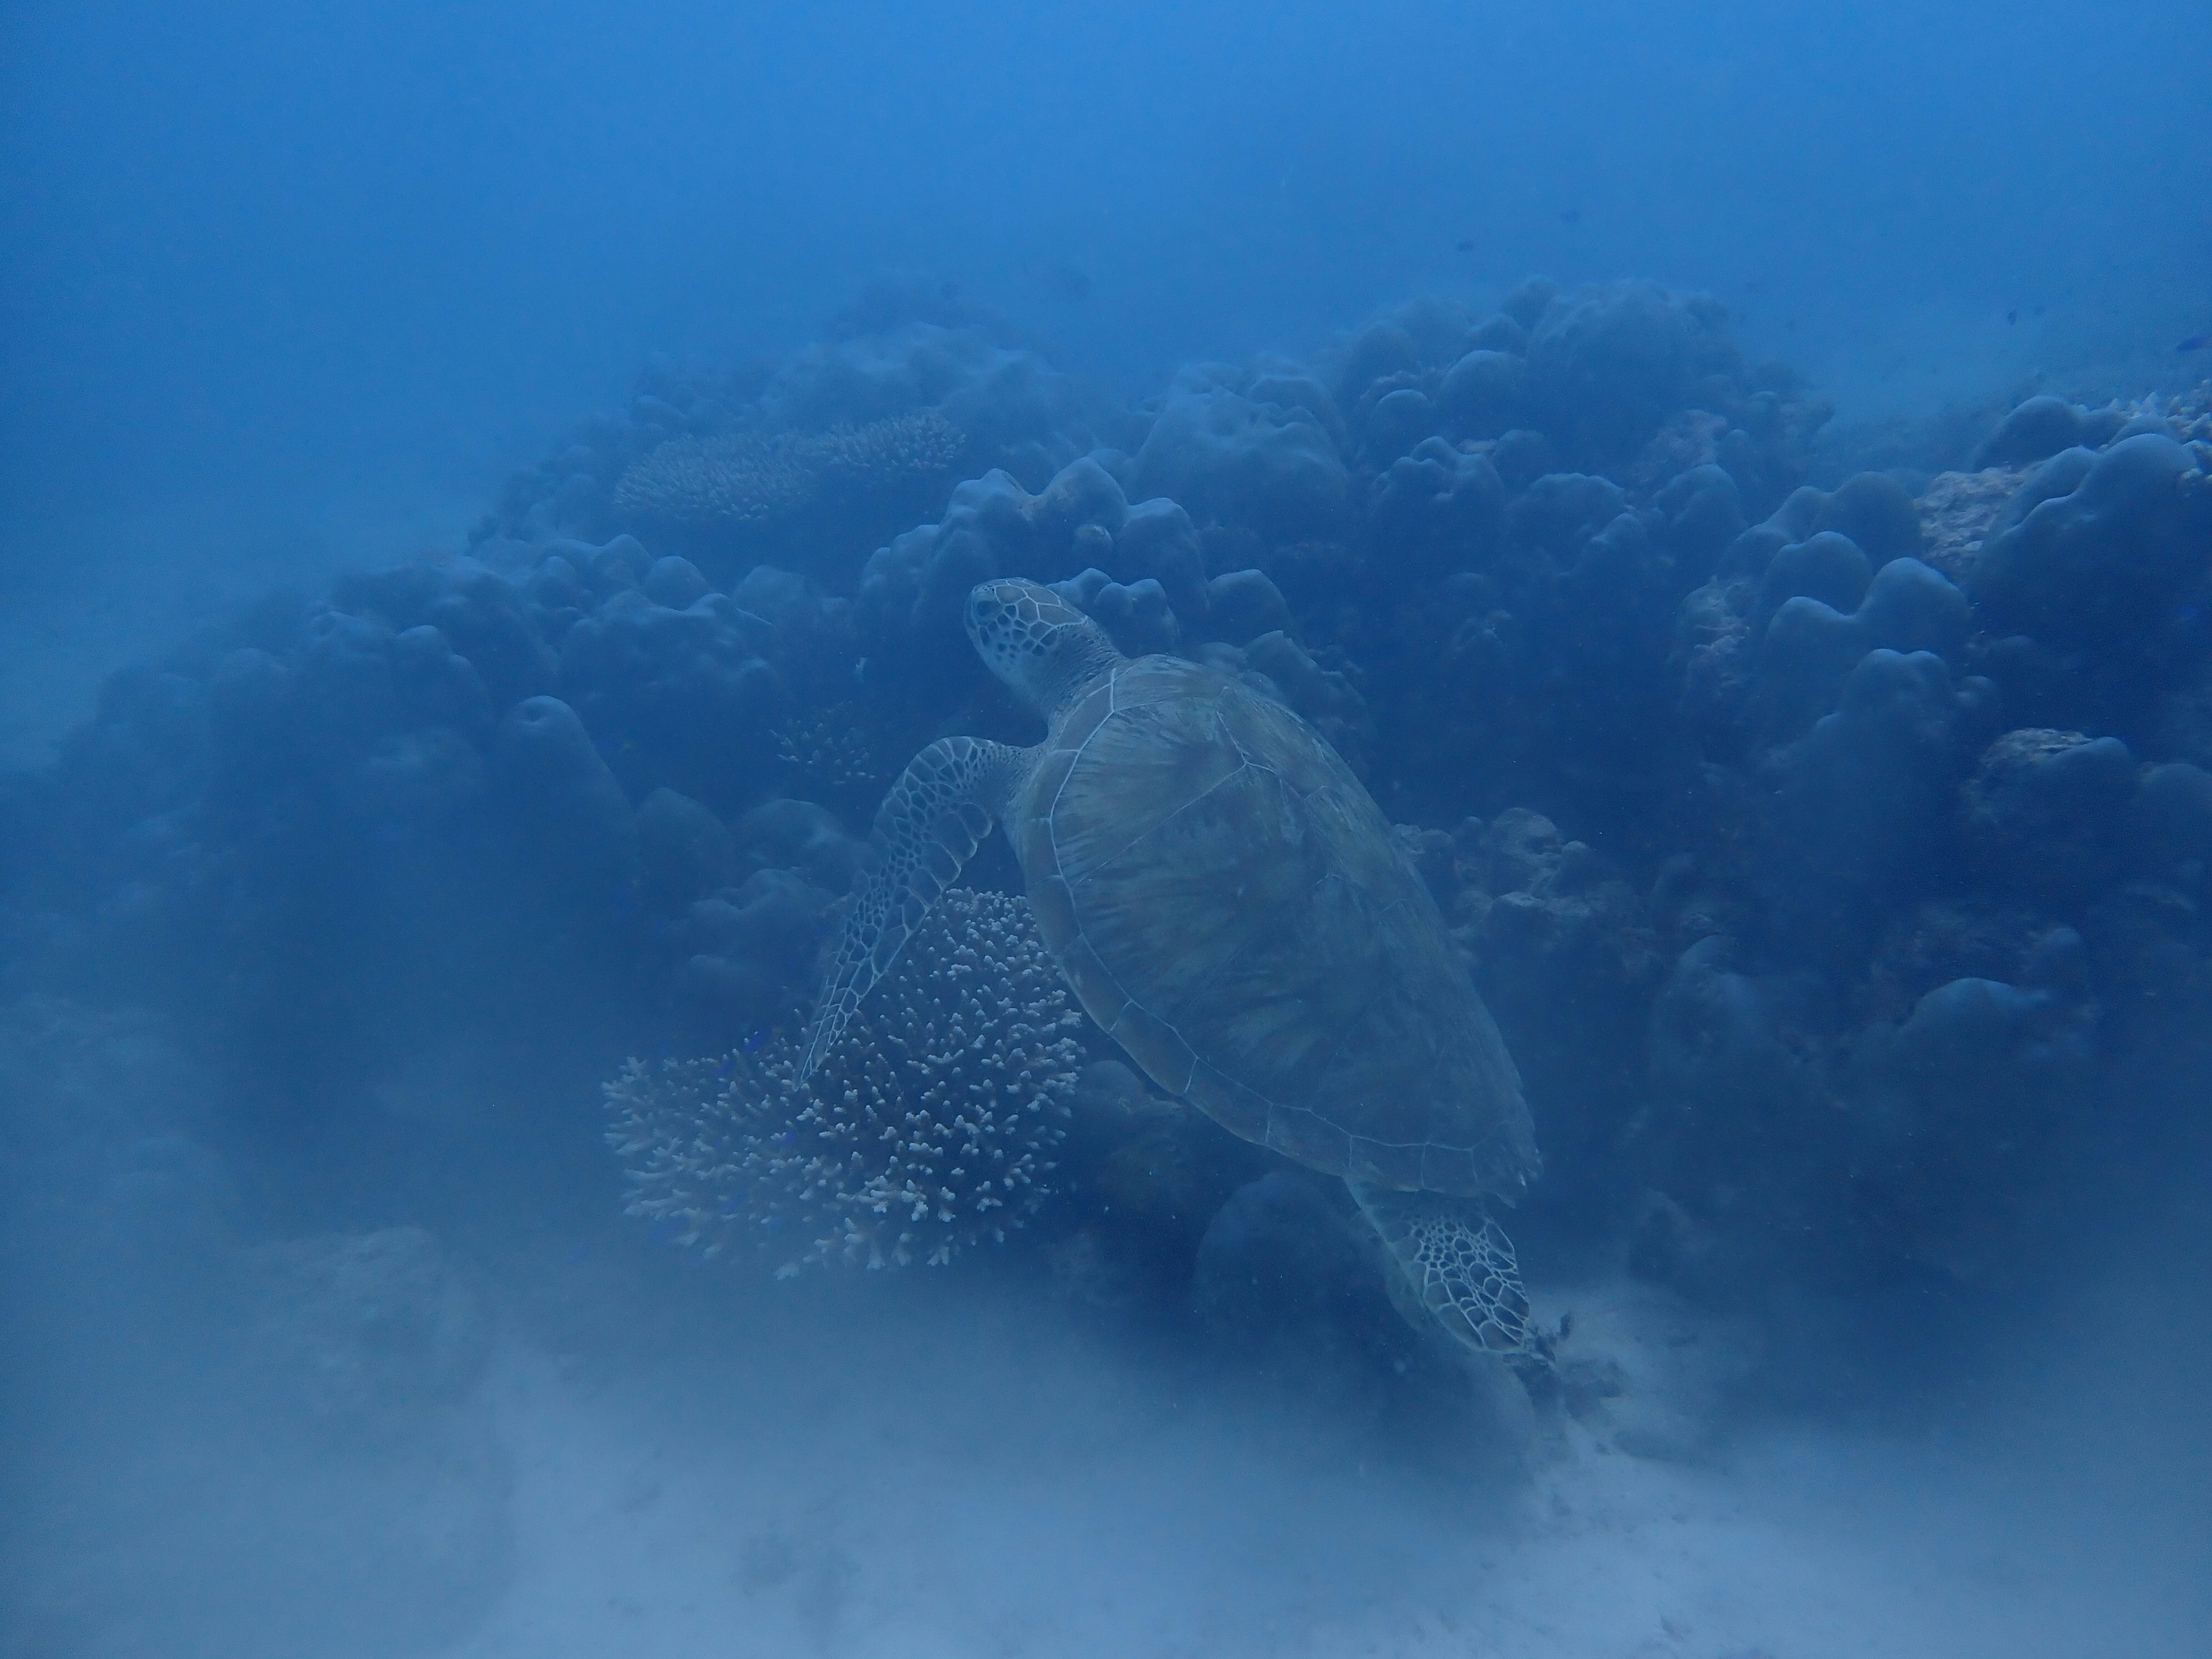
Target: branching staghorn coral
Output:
[
  {"x": 932, "y": 1127},
  {"x": 885, "y": 452},
  {"x": 741, "y": 477},
  {"x": 736, "y": 478}
]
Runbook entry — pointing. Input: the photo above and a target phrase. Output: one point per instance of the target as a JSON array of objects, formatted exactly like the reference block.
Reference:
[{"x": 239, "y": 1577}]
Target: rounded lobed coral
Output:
[{"x": 932, "y": 1127}]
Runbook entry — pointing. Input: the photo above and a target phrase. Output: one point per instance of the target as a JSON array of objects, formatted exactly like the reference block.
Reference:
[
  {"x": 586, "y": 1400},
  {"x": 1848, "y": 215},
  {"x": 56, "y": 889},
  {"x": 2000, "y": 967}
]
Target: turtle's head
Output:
[{"x": 1039, "y": 644}]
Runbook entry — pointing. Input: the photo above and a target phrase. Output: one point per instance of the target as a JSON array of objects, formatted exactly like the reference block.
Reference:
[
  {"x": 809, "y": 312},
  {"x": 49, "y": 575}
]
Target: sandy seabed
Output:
[
  {"x": 651, "y": 1456},
  {"x": 974, "y": 1498}
]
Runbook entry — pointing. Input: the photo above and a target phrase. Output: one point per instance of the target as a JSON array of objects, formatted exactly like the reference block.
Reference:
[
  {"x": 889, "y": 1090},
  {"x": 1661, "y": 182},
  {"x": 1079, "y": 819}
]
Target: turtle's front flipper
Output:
[
  {"x": 1459, "y": 1267},
  {"x": 930, "y": 824}
]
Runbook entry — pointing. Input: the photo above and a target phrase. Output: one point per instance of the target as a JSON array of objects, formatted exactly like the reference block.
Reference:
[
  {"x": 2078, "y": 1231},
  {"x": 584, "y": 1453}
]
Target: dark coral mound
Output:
[{"x": 1828, "y": 853}]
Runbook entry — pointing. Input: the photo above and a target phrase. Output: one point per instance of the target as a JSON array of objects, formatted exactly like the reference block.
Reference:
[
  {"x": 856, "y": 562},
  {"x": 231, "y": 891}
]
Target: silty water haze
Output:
[{"x": 490, "y": 497}]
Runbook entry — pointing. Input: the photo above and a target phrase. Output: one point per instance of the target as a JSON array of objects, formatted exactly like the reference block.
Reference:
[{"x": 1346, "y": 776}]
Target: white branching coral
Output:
[{"x": 931, "y": 1128}]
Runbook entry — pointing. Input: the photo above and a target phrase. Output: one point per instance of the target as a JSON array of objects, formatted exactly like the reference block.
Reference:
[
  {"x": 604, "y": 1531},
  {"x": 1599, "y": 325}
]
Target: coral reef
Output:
[
  {"x": 931, "y": 1129},
  {"x": 733, "y": 479},
  {"x": 1230, "y": 460},
  {"x": 741, "y": 476},
  {"x": 2099, "y": 547},
  {"x": 2037, "y": 427},
  {"x": 807, "y": 463},
  {"x": 911, "y": 591},
  {"x": 1827, "y": 853},
  {"x": 1958, "y": 510}
]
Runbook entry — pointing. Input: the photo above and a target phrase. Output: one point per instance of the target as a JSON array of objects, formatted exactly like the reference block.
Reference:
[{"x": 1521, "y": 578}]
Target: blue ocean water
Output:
[{"x": 1682, "y": 532}]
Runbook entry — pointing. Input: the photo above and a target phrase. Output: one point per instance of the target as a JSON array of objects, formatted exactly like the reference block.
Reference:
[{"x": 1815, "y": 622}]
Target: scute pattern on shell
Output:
[
  {"x": 932, "y": 1127},
  {"x": 1233, "y": 909}
]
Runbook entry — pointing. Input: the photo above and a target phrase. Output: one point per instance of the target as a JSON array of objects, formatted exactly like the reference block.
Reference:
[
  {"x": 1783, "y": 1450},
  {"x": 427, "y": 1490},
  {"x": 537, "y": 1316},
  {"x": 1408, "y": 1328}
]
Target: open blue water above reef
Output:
[{"x": 492, "y": 498}]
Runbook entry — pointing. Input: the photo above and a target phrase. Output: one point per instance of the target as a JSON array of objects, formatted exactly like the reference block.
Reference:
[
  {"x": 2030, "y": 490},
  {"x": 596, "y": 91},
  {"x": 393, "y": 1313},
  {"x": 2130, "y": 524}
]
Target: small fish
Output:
[
  {"x": 1571, "y": 216},
  {"x": 1466, "y": 246},
  {"x": 2012, "y": 317},
  {"x": 2194, "y": 343}
]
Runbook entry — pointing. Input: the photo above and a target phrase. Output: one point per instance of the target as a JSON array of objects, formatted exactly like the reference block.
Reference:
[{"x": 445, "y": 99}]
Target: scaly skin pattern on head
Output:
[{"x": 1042, "y": 647}]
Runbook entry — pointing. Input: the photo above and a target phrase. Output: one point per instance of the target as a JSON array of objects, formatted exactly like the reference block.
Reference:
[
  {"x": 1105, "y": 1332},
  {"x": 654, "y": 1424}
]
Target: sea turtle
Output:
[{"x": 1228, "y": 905}]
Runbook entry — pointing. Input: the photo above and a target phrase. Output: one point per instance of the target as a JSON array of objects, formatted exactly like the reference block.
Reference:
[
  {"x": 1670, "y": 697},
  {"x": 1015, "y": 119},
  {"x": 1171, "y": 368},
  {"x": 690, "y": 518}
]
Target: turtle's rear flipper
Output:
[
  {"x": 1457, "y": 1266},
  {"x": 928, "y": 827}
]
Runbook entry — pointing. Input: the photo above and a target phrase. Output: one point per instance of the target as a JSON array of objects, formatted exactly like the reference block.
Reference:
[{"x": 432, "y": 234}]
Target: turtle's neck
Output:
[{"x": 1080, "y": 657}]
